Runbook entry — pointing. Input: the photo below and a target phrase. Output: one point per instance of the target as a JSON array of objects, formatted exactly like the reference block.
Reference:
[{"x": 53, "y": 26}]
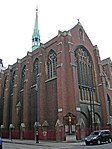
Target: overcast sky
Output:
[{"x": 17, "y": 19}]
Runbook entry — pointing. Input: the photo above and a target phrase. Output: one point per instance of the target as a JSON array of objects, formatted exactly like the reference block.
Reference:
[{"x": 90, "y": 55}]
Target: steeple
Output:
[{"x": 36, "y": 35}]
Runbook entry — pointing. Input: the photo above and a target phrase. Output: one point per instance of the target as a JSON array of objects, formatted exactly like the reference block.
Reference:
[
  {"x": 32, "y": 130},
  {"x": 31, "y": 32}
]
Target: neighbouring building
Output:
[{"x": 61, "y": 90}]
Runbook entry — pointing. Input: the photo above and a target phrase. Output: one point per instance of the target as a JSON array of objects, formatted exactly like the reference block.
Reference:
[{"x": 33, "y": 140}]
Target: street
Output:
[{"x": 55, "y": 146}]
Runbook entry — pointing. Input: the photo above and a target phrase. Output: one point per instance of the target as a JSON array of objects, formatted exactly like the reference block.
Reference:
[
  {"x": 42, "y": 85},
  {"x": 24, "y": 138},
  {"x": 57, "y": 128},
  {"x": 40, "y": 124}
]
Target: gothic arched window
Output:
[
  {"x": 23, "y": 77},
  {"x": 51, "y": 64},
  {"x": 4, "y": 86},
  {"x": 85, "y": 73},
  {"x": 35, "y": 71},
  {"x": 5, "y": 82},
  {"x": 12, "y": 81}
]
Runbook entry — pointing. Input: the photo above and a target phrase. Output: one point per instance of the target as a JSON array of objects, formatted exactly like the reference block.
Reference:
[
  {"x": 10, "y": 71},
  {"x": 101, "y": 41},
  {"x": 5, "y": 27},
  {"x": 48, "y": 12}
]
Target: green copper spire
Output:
[{"x": 36, "y": 35}]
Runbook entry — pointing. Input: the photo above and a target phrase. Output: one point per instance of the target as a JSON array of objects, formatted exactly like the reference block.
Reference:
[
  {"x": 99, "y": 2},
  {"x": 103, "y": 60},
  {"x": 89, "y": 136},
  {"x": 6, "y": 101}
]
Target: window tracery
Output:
[
  {"x": 35, "y": 71},
  {"x": 85, "y": 73},
  {"x": 51, "y": 64},
  {"x": 12, "y": 81},
  {"x": 23, "y": 77}
]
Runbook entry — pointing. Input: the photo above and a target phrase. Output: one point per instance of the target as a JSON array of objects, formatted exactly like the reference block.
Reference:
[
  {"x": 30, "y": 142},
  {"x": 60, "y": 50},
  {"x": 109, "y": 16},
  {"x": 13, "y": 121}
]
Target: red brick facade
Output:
[{"x": 60, "y": 100}]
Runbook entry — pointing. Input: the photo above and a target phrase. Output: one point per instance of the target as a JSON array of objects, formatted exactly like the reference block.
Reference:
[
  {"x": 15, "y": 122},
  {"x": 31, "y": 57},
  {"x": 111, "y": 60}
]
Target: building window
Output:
[
  {"x": 12, "y": 81},
  {"x": 23, "y": 77},
  {"x": 51, "y": 64},
  {"x": 5, "y": 82},
  {"x": 85, "y": 73},
  {"x": 35, "y": 71}
]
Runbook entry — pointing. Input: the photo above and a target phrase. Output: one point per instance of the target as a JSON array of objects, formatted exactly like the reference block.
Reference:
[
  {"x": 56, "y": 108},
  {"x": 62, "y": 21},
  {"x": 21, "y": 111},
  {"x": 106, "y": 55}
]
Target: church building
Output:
[{"x": 62, "y": 90}]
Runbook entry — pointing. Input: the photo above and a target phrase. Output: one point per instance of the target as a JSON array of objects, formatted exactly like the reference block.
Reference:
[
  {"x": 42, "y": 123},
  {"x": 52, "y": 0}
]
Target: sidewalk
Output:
[{"x": 43, "y": 142}]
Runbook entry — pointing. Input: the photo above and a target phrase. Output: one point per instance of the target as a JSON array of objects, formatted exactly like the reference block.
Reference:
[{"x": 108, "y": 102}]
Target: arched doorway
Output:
[{"x": 97, "y": 124}]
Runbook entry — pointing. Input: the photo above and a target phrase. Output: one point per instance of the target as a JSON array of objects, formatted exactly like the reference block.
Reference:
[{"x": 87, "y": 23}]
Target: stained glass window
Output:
[
  {"x": 23, "y": 77},
  {"x": 85, "y": 73},
  {"x": 51, "y": 64}
]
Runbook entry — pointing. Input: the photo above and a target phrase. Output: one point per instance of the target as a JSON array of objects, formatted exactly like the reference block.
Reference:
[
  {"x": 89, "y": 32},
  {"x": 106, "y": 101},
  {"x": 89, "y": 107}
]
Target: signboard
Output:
[{"x": 44, "y": 133}]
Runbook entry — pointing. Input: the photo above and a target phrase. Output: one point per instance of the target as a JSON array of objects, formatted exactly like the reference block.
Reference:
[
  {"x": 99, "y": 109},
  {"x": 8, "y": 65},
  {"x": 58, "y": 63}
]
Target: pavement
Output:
[{"x": 43, "y": 142}]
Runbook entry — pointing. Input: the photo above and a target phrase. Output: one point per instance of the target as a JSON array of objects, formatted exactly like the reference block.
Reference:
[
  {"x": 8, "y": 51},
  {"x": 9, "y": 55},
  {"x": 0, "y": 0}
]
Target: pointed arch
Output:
[
  {"x": 23, "y": 74},
  {"x": 5, "y": 82},
  {"x": 82, "y": 125},
  {"x": 85, "y": 70},
  {"x": 97, "y": 121},
  {"x": 35, "y": 71},
  {"x": 12, "y": 81},
  {"x": 51, "y": 64}
]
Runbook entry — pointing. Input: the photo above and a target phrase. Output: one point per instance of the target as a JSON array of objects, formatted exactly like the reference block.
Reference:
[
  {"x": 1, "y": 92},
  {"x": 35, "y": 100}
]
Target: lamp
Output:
[
  {"x": 22, "y": 128},
  {"x": 11, "y": 127},
  {"x": 92, "y": 108},
  {"x": 2, "y": 127},
  {"x": 36, "y": 127}
]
